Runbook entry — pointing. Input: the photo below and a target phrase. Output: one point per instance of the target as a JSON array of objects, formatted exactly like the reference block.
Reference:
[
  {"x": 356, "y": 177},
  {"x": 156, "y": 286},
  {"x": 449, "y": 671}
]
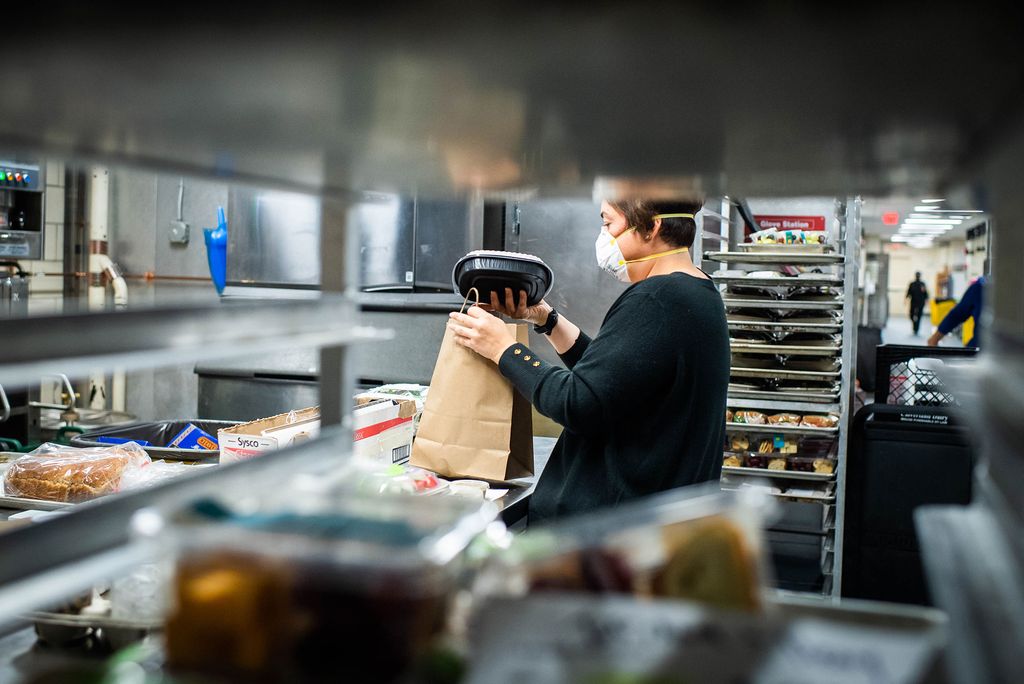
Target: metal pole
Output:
[
  {"x": 336, "y": 278},
  {"x": 851, "y": 243}
]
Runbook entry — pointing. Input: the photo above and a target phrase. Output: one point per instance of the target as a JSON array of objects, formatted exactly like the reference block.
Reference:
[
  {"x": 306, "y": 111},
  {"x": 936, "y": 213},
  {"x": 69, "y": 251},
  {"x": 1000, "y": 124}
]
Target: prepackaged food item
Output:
[
  {"x": 809, "y": 464},
  {"x": 192, "y": 437},
  {"x": 697, "y": 543},
  {"x": 55, "y": 472},
  {"x": 739, "y": 443},
  {"x": 777, "y": 464},
  {"x": 766, "y": 236},
  {"x": 749, "y": 417},
  {"x": 824, "y": 465},
  {"x": 732, "y": 461},
  {"x": 790, "y": 419},
  {"x": 728, "y": 416},
  {"x": 756, "y": 460},
  {"x": 339, "y": 587},
  {"x": 820, "y": 421}
]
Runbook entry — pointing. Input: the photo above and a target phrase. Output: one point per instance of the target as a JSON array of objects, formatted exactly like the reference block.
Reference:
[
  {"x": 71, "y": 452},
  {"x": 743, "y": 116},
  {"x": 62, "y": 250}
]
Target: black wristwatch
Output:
[{"x": 549, "y": 324}]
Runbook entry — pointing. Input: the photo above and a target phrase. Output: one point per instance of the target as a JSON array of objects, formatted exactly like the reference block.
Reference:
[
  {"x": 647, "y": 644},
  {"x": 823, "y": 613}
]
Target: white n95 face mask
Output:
[{"x": 609, "y": 256}]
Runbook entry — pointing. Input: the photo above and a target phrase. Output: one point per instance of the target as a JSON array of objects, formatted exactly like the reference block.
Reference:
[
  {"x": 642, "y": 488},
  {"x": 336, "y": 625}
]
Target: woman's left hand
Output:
[{"x": 482, "y": 332}]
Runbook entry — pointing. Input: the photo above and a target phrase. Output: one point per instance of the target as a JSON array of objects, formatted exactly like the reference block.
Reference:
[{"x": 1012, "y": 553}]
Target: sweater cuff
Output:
[
  {"x": 573, "y": 354},
  {"x": 523, "y": 368}
]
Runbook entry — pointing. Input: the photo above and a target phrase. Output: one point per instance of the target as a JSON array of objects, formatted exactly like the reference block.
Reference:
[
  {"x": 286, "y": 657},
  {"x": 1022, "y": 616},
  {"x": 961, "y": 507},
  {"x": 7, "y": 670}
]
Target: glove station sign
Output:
[{"x": 782, "y": 223}]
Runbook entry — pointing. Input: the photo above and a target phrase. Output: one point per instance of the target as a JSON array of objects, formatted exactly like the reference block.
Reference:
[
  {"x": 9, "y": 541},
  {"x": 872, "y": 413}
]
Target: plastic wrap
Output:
[
  {"x": 749, "y": 417},
  {"x": 828, "y": 421},
  {"x": 61, "y": 473},
  {"x": 156, "y": 473},
  {"x": 697, "y": 543}
]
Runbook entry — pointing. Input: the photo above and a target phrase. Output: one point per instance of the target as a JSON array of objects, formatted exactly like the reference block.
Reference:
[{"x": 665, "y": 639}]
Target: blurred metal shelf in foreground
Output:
[
  {"x": 134, "y": 339},
  {"x": 48, "y": 560}
]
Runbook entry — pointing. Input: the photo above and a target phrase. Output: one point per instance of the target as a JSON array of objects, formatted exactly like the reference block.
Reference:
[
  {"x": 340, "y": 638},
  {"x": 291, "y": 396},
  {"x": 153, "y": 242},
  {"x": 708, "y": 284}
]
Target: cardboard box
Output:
[
  {"x": 383, "y": 430},
  {"x": 251, "y": 439}
]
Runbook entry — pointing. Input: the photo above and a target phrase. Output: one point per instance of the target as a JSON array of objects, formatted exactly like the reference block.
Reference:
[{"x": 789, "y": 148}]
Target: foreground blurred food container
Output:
[{"x": 342, "y": 586}]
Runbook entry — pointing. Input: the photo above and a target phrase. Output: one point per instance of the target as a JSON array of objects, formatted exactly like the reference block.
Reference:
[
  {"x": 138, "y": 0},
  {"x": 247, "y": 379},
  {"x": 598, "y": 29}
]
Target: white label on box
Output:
[{"x": 241, "y": 447}]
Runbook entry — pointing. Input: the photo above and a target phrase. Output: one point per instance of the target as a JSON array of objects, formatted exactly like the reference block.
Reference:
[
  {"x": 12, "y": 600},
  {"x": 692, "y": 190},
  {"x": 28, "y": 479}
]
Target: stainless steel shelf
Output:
[
  {"x": 80, "y": 343},
  {"x": 756, "y": 247},
  {"x": 800, "y": 404},
  {"x": 815, "y": 280},
  {"x": 779, "y": 474},
  {"x": 731, "y": 483},
  {"x": 785, "y": 349},
  {"x": 775, "y": 257},
  {"x": 782, "y": 430},
  {"x": 785, "y": 327},
  {"x": 23, "y": 504},
  {"x": 93, "y": 541},
  {"x": 783, "y": 399},
  {"x": 785, "y": 374},
  {"x": 781, "y": 304}
]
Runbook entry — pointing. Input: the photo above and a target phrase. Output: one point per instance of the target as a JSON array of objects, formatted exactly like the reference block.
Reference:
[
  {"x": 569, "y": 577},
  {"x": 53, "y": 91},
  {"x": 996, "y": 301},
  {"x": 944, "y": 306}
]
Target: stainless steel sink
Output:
[{"x": 88, "y": 419}]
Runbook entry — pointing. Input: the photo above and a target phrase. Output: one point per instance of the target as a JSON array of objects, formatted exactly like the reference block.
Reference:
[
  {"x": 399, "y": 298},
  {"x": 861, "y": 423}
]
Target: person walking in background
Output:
[
  {"x": 969, "y": 306},
  {"x": 917, "y": 293}
]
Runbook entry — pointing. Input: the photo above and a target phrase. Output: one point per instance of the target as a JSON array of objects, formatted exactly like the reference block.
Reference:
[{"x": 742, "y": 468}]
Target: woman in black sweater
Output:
[{"x": 643, "y": 402}]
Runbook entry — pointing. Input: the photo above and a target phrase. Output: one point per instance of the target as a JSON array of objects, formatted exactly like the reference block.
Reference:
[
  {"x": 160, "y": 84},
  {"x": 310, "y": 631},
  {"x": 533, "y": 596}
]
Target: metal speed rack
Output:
[{"x": 793, "y": 343}]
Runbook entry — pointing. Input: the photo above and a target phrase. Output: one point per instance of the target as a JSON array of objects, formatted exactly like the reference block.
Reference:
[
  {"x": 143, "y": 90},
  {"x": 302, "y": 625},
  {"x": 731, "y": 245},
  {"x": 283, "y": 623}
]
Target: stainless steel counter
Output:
[{"x": 515, "y": 504}]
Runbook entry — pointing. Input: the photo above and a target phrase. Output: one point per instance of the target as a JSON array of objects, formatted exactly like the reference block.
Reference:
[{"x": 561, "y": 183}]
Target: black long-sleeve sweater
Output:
[{"x": 642, "y": 404}]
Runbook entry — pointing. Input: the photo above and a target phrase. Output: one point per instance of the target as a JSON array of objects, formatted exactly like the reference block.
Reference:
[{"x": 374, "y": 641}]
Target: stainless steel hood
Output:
[{"x": 406, "y": 243}]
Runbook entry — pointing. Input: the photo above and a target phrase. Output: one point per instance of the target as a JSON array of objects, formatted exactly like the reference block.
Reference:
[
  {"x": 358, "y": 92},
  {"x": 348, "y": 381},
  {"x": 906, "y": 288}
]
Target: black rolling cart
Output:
[{"x": 908, "y": 449}]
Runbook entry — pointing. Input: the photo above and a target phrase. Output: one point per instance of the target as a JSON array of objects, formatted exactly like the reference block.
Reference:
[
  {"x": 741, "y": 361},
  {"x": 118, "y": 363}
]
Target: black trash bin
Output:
[{"x": 159, "y": 434}]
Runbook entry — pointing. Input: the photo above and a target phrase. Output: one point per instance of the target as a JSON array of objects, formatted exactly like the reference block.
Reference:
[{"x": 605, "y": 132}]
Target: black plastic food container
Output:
[{"x": 492, "y": 271}]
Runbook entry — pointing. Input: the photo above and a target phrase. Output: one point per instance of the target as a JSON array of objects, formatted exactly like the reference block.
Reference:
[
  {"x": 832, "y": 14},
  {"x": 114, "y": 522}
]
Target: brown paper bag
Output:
[{"x": 474, "y": 423}]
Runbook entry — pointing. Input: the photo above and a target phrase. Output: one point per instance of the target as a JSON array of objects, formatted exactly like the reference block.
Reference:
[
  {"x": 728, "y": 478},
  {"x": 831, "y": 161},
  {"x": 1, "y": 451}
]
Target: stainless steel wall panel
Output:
[{"x": 562, "y": 233}]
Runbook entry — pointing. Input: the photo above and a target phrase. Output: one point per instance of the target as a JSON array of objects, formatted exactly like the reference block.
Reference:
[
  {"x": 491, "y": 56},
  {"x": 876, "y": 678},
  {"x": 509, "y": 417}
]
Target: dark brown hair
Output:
[{"x": 677, "y": 232}]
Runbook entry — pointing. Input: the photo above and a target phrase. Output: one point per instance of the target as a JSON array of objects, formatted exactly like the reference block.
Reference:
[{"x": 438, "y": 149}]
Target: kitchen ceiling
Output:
[
  {"x": 921, "y": 213},
  {"x": 756, "y": 99}
]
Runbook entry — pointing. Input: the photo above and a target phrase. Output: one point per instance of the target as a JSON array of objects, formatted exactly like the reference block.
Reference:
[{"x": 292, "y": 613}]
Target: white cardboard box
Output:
[
  {"x": 251, "y": 439},
  {"x": 383, "y": 430}
]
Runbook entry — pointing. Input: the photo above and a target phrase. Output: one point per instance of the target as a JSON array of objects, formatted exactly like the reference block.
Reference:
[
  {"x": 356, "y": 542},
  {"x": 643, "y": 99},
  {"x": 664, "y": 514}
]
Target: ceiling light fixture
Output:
[
  {"x": 933, "y": 221},
  {"x": 925, "y": 207},
  {"x": 933, "y": 201}
]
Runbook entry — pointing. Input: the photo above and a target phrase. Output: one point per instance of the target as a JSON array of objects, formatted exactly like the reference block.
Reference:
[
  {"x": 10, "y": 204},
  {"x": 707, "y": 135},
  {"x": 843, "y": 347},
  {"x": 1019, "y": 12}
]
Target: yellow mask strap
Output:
[{"x": 658, "y": 255}]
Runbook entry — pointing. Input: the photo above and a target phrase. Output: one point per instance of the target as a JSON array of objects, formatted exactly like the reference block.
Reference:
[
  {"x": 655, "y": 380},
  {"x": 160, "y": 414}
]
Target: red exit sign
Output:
[{"x": 791, "y": 222}]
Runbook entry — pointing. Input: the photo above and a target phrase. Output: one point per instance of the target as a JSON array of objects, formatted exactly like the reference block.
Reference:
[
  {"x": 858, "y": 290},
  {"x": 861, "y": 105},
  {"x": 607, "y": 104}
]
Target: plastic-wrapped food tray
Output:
[{"x": 337, "y": 586}]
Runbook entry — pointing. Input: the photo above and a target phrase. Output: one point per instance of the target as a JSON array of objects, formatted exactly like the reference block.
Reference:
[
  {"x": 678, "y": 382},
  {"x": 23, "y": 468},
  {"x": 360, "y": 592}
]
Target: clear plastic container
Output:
[
  {"x": 695, "y": 543},
  {"x": 344, "y": 587}
]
